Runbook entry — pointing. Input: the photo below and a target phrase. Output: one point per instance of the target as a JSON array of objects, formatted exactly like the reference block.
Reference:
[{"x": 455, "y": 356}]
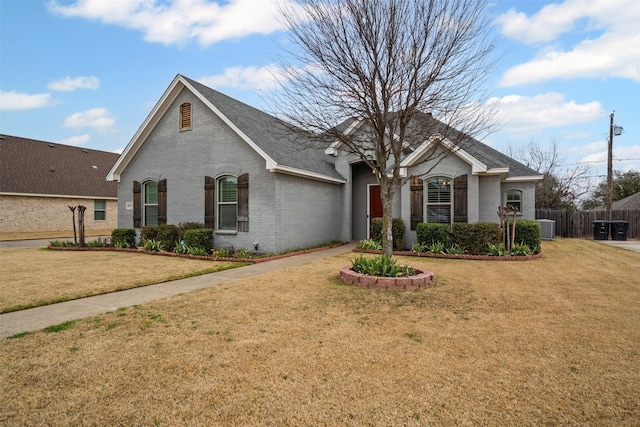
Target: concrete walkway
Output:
[
  {"x": 38, "y": 318},
  {"x": 631, "y": 245}
]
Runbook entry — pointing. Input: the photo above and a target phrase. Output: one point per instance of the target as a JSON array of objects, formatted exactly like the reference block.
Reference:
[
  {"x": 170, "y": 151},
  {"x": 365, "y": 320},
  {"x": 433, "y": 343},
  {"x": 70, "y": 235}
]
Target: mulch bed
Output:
[{"x": 462, "y": 256}]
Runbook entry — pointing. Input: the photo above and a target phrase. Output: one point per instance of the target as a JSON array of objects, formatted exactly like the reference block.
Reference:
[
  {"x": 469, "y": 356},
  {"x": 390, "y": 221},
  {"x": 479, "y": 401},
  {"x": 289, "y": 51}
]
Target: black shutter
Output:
[
  {"x": 209, "y": 202},
  {"x": 460, "y": 199},
  {"x": 243, "y": 202},
  {"x": 162, "y": 202},
  {"x": 417, "y": 202},
  {"x": 137, "y": 204}
]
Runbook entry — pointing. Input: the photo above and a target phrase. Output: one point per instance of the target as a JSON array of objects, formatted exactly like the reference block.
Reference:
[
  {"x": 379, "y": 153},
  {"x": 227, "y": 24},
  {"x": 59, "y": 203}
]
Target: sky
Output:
[{"x": 88, "y": 72}]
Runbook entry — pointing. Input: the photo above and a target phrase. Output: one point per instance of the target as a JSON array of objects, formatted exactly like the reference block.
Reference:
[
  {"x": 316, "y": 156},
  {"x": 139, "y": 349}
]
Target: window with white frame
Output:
[
  {"x": 227, "y": 203},
  {"x": 150, "y": 205},
  {"x": 99, "y": 210},
  {"x": 513, "y": 198},
  {"x": 438, "y": 200}
]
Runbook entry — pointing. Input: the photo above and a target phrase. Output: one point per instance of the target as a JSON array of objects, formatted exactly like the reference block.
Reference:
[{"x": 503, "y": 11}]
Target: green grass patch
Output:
[{"x": 60, "y": 327}]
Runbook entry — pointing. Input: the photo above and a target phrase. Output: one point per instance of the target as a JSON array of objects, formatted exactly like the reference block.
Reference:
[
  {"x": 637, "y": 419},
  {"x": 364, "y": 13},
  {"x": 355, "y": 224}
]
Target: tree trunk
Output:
[{"x": 387, "y": 217}]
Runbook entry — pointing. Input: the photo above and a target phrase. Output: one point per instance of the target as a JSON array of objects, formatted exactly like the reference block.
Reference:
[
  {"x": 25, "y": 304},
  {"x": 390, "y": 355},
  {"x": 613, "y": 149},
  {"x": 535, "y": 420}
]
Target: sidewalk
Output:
[{"x": 38, "y": 318}]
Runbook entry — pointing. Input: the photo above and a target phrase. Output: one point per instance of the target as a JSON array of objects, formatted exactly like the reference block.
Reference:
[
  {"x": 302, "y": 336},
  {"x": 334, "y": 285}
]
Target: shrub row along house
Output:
[
  {"x": 39, "y": 180},
  {"x": 205, "y": 157}
]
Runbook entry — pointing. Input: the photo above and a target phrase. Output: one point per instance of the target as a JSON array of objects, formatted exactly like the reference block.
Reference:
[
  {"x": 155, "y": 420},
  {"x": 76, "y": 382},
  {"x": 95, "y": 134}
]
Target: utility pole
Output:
[{"x": 610, "y": 167}]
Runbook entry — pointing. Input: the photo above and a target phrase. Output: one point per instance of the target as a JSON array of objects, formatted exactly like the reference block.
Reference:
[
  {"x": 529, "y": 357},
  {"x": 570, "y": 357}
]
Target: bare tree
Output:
[
  {"x": 388, "y": 65},
  {"x": 562, "y": 185}
]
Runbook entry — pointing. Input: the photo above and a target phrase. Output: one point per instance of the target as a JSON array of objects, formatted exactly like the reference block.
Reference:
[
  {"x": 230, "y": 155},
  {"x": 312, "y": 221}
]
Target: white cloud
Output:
[
  {"x": 77, "y": 140},
  {"x": 97, "y": 118},
  {"x": 68, "y": 83},
  {"x": 246, "y": 78},
  {"x": 609, "y": 46},
  {"x": 23, "y": 101},
  {"x": 531, "y": 114},
  {"x": 179, "y": 21}
]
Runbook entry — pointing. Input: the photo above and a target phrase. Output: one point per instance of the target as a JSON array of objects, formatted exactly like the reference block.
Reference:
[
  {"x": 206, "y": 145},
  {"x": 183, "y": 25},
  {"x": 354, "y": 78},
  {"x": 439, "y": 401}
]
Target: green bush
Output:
[
  {"x": 166, "y": 234},
  {"x": 123, "y": 238},
  {"x": 528, "y": 233},
  {"x": 184, "y": 226},
  {"x": 199, "y": 238},
  {"x": 429, "y": 233},
  {"x": 148, "y": 233},
  {"x": 476, "y": 237},
  {"x": 397, "y": 230}
]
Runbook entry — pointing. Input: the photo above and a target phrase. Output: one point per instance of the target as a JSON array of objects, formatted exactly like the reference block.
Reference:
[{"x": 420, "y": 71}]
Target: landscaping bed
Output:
[{"x": 458, "y": 256}]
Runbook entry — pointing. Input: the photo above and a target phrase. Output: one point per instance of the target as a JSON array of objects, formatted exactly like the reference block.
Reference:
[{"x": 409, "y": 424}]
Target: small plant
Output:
[
  {"x": 370, "y": 245},
  {"x": 62, "y": 244},
  {"x": 181, "y": 248},
  {"x": 454, "y": 250},
  {"x": 381, "y": 266},
  {"x": 520, "y": 249},
  {"x": 497, "y": 249},
  {"x": 419, "y": 248},
  {"x": 197, "y": 251},
  {"x": 121, "y": 245},
  {"x": 437, "y": 248},
  {"x": 242, "y": 253},
  {"x": 98, "y": 243},
  {"x": 221, "y": 253},
  {"x": 152, "y": 245}
]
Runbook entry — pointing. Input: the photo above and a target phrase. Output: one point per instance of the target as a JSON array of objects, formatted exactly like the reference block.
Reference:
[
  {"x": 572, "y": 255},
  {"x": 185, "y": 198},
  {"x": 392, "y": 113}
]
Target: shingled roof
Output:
[{"x": 29, "y": 166}]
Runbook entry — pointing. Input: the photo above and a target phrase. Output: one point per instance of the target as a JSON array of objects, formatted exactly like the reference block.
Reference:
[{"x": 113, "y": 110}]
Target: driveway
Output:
[{"x": 631, "y": 245}]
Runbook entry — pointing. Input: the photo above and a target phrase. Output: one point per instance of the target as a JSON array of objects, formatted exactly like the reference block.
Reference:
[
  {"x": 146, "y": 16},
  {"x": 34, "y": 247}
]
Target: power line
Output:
[{"x": 599, "y": 161}]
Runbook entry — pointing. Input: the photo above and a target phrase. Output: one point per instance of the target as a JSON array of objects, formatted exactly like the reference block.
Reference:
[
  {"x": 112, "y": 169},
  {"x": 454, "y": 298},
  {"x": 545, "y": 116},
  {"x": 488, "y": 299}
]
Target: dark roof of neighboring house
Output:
[
  {"x": 628, "y": 203},
  {"x": 279, "y": 140},
  {"x": 631, "y": 202},
  {"x": 29, "y": 166}
]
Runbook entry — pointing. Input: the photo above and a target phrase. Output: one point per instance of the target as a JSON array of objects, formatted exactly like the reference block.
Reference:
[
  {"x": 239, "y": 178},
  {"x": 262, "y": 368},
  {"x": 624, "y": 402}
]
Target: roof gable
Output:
[
  {"x": 29, "y": 166},
  {"x": 283, "y": 148}
]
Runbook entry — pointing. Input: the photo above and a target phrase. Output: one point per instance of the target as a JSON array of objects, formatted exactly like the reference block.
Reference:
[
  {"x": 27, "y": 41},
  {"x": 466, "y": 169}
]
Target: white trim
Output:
[
  {"x": 477, "y": 167},
  {"x": 59, "y": 196},
  {"x": 306, "y": 174},
  {"x": 525, "y": 178},
  {"x": 333, "y": 148}
]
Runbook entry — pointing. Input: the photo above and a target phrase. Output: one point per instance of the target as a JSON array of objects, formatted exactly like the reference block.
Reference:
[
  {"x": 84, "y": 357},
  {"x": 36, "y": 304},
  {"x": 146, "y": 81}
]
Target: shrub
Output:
[
  {"x": 476, "y": 237},
  {"x": 528, "y": 233},
  {"x": 496, "y": 249},
  {"x": 430, "y": 233},
  {"x": 242, "y": 253},
  {"x": 98, "y": 243},
  {"x": 148, "y": 233},
  {"x": 181, "y": 248},
  {"x": 397, "y": 230},
  {"x": 184, "y": 226},
  {"x": 437, "y": 248},
  {"x": 197, "y": 251},
  {"x": 521, "y": 249},
  {"x": 168, "y": 235},
  {"x": 199, "y": 238},
  {"x": 381, "y": 266},
  {"x": 123, "y": 237},
  {"x": 419, "y": 248},
  {"x": 221, "y": 253},
  {"x": 455, "y": 250},
  {"x": 62, "y": 243}
]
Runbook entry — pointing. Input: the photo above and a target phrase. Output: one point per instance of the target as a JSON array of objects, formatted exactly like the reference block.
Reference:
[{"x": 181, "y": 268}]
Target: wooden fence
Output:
[{"x": 580, "y": 223}]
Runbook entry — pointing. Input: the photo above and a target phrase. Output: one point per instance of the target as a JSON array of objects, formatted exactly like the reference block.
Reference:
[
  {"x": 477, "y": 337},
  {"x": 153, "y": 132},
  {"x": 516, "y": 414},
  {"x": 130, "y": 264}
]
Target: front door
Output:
[{"x": 375, "y": 205}]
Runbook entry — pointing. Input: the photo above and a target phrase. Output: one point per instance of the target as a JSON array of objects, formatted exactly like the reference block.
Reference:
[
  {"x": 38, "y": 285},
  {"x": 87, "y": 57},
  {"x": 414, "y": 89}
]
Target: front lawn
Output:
[{"x": 553, "y": 341}]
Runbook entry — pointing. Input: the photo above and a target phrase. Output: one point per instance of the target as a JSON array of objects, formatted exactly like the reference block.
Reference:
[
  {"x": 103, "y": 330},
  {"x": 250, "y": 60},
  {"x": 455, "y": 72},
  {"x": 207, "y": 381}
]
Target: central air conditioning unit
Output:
[{"x": 547, "y": 229}]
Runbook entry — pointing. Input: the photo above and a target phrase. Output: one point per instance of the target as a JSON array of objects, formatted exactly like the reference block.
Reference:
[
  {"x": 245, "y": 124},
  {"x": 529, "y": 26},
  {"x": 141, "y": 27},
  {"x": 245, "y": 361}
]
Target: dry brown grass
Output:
[
  {"x": 33, "y": 276},
  {"x": 548, "y": 342}
]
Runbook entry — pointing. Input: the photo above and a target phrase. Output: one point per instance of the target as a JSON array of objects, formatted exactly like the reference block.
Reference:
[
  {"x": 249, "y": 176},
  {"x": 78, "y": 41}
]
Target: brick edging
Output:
[
  {"x": 422, "y": 279},
  {"x": 205, "y": 258}
]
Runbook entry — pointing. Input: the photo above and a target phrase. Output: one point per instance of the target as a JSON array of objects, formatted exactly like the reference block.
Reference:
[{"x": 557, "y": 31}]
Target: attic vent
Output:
[
  {"x": 94, "y": 167},
  {"x": 185, "y": 116},
  {"x": 51, "y": 145},
  {"x": 85, "y": 151},
  {"x": 51, "y": 169}
]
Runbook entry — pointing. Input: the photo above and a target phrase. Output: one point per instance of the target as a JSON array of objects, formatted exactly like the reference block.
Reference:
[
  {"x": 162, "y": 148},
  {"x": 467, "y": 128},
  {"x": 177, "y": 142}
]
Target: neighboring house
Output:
[
  {"x": 203, "y": 156},
  {"x": 628, "y": 203},
  {"x": 39, "y": 181}
]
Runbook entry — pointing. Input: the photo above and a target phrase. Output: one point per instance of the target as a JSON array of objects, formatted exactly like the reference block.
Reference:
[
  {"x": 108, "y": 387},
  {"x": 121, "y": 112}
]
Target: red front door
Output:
[{"x": 375, "y": 205}]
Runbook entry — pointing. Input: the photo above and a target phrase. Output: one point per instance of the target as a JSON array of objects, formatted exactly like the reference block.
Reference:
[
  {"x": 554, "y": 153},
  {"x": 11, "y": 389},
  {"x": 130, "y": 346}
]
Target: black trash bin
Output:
[
  {"x": 619, "y": 230},
  {"x": 600, "y": 230}
]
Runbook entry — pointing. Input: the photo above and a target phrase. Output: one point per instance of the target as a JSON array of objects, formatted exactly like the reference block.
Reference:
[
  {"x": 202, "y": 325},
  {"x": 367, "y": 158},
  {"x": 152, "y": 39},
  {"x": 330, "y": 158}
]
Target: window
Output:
[
  {"x": 227, "y": 201},
  {"x": 99, "y": 210},
  {"x": 438, "y": 200},
  {"x": 150, "y": 205},
  {"x": 514, "y": 198},
  {"x": 185, "y": 116}
]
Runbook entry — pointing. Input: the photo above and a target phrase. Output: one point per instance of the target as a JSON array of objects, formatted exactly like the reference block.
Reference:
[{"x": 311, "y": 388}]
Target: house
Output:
[
  {"x": 631, "y": 202},
  {"x": 39, "y": 180},
  {"x": 203, "y": 156}
]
